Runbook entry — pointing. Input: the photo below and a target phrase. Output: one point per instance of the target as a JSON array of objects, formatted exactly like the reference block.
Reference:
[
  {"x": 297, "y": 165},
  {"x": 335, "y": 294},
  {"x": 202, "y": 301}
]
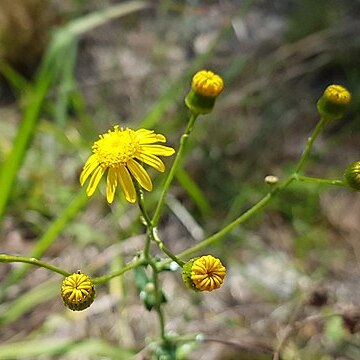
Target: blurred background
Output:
[{"x": 72, "y": 69}]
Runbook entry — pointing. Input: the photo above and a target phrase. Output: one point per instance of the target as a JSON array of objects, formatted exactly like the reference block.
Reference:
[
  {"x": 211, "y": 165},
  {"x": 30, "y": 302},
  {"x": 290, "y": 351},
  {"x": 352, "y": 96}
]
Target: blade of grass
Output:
[
  {"x": 27, "y": 301},
  {"x": 67, "y": 84},
  {"x": 50, "y": 69},
  {"x": 14, "y": 78},
  {"x": 194, "y": 191},
  {"x": 48, "y": 238},
  {"x": 70, "y": 347},
  {"x": 13, "y": 161}
]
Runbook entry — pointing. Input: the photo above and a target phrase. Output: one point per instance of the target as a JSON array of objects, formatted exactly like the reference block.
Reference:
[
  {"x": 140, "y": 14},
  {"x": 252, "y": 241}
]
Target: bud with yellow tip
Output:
[
  {"x": 334, "y": 102},
  {"x": 77, "y": 291},
  {"x": 205, "y": 87},
  {"x": 352, "y": 175}
]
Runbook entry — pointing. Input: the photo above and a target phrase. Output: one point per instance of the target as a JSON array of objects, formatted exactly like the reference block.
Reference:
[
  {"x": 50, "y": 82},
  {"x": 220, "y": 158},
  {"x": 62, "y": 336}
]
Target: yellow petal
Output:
[
  {"x": 88, "y": 168},
  {"x": 127, "y": 186},
  {"x": 140, "y": 174},
  {"x": 149, "y": 137},
  {"x": 152, "y": 160},
  {"x": 158, "y": 150},
  {"x": 111, "y": 184},
  {"x": 94, "y": 180}
]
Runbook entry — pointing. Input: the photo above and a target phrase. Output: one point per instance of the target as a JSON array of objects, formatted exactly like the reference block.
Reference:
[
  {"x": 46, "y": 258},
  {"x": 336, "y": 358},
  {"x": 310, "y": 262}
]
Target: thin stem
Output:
[
  {"x": 152, "y": 232},
  {"x": 241, "y": 219},
  {"x": 12, "y": 258},
  {"x": 320, "y": 181},
  {"x": 266, "y": 199},
  {"x": 162, "y": 247},
  {"x": 147, "y": 259},
  {"x": 305, "y": 154},
  {"x": 147, "y": 219},
  {"x": 130, "y": 266},
  {"x": 155, "y": 278},
  {"x": 53, "y": 231},
  {"x": 175, "y": 165}
]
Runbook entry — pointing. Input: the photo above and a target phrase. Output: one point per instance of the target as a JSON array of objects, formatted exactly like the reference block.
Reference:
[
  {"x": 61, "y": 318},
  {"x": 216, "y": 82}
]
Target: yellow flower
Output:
[
  {"x": 206, "y": 83},
  {"x": 77, "y": 291},
  {"x": 121, "y": 152},
  {"x": 205, "y": 273}
]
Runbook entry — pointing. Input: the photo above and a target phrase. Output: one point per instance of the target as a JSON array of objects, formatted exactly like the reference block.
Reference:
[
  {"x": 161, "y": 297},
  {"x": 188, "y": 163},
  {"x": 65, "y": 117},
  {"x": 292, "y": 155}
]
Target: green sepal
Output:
[
  {"x": 141, "y": 278},
  {"x": 331, "y": 110},
  {"x": 186, "y": 274},
  {"x": 199, "y": 104},
  {"x": 149, "y": 298}
]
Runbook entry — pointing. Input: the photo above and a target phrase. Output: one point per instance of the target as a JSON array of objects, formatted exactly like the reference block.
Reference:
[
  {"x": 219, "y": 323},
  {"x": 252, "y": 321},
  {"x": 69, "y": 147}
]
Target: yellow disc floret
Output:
[
  {"x": 206, "y": 83},
  {"x": 77, "y": 291},
  {"x": 116, "y": 147}
]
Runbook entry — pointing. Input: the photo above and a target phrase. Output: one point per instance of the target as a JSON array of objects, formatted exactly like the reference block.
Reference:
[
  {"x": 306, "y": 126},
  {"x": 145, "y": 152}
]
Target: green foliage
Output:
[{"x": 266, "y": 106}]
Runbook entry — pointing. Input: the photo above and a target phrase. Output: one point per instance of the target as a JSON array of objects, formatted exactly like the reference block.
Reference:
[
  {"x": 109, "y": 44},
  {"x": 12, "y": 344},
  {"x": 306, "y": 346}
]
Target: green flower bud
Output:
[
  {"x": 334, "y": 102},
  {"x": 352, "y": 175}
]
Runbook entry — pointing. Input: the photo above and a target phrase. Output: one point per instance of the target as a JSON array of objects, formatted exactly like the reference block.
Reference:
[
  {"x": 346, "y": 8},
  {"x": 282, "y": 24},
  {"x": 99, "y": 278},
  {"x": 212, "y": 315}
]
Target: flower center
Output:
[{"x": 116, "y": 147}]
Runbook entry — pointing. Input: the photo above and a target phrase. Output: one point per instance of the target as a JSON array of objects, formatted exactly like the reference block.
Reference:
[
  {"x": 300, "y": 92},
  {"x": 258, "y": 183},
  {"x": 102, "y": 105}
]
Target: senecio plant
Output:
[{"x": 121, "y": 157}]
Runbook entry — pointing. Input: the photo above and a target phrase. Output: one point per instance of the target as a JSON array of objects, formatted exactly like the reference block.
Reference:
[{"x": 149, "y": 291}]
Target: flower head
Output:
[
  {"x": 77, "y": 291},
  {"x": 206, "y": 83},
  {"x": 334, "y": 102},
  {"x": 205, "y": 273},
  {"x": 205, "y": 87},
  {"x": 120, "y": 152}
]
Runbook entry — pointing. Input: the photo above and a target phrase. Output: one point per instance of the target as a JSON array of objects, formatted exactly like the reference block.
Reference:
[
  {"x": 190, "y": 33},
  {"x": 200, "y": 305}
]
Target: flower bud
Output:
[
  {"x": 205, "y": 87},
  {"x": 352, "y": 175},
  {"x": 271, "y": 180},
  {"x": 77, "y": 291},
  {"x": 205, "y": 273},
  {"x": 334, "y": 102}
]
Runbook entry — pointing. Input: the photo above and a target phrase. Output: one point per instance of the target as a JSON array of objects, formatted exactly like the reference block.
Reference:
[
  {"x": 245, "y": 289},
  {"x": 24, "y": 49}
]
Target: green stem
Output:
[
  {"x": 147, "y": 259},
  {"x": 241, "y": 219},
  {"x": 12, "y": 258},
  {"x": 319, "y": 181},
  {"x": 155, "y": 279},
  {"x": 309, "y": 144},
  {"x": 175, "y": 165},
  {"x": 43, "y": 243},
  {"x": 130, "y": 266},
  {"x": 147, "y": 219},
  {"x": 152, "y": 232},
  {"x": 266, "y": 199}
]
